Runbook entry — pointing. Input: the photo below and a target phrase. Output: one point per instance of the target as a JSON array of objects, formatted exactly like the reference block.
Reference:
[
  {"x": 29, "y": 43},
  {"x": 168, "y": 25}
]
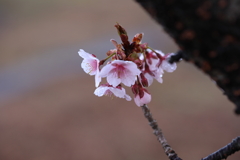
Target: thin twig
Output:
[
  {"x": 226, "y": 151},
  {"x": 158, "y": 132}
]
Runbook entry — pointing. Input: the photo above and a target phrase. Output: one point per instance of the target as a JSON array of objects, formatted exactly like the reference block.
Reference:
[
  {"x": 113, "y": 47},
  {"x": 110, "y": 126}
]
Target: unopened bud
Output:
[
  {"x": 121, "y": 30},
  {"x": 135, "y": 89},
  {"x": 137, "y": 38}
]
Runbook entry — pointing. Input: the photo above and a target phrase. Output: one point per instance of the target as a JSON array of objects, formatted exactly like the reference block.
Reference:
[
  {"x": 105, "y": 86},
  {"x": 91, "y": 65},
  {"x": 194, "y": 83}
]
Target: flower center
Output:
[
  {"x": 119, "y": 70},
  {"x": 89, "y": 68},
  {"x": 108, "y": 93}
]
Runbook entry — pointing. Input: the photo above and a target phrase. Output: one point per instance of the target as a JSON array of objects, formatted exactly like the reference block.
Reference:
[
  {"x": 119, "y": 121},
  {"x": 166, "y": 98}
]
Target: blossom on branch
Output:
[
  {"x": 145, "y": 98},
  {"x": 119, "y": 71},
  {"x": 141, "y": 95},
  {"x": 90, "y": 65},
  {"x": 168, "y": 67},
  {"x": 133, "y": 64},
  {"x": 108, "y": 90}
]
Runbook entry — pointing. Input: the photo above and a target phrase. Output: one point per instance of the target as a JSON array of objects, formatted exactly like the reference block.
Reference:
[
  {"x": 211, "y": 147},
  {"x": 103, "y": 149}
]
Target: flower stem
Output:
[
  {"x": 159, "y": 134},
  {"x": 153, "y": 50},
  {"x": 109, "y": 56}
]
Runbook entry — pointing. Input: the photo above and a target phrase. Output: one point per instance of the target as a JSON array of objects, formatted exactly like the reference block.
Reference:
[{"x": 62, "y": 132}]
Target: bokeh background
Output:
[{"x": 47, "y": 107}]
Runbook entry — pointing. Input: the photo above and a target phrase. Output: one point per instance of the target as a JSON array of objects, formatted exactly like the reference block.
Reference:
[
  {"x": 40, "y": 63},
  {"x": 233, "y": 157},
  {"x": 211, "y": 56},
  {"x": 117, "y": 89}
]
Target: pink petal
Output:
[
  {"x": 144, "y": 100},
  {"x": 113, "y": 79},
  {"x": 132, "y": 67},
  {"x": 121, "y": 93},
  {"x": 105, "y": 70},
  {"x": 89, "y": 63},
  {"x": 108, "y": 90},
  {"x": 120, "y": 71},
  {"x": 98, "y": 79},
  {"x": 158, "y": 75},
  {"x": 90, "y": 66},
  {"x": 128, "y": 78},
  {"x": 137, "y": 101},
  {"x": 100, "y": 91},
  {"x": 168, "y": 66},
  {"x": 127, "y": 97},
  {"x": 149, "y": 78}
]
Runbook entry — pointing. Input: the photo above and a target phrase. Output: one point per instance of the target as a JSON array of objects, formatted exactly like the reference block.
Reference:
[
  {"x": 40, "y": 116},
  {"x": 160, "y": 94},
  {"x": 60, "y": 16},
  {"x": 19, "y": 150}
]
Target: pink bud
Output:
[{"x": 142, "y": 98}]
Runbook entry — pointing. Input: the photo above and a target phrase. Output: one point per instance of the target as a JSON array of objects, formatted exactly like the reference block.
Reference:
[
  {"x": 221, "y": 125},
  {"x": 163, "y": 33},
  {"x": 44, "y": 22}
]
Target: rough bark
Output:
[
  {"x": 208, "y": 35},
  {"x": 226, "y": 151}
]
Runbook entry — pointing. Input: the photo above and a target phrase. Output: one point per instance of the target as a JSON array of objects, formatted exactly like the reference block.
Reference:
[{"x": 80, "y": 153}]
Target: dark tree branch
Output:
[
  {"x": 226, "y": 151},
  {"x": 222, "y": 153},
  {"x": 158, "y": 132},
  {"x": 208, "y": 35}
]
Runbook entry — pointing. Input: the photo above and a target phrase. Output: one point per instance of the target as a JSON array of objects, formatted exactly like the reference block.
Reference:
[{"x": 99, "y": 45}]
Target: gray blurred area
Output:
[{"x": 48, "y": 110}]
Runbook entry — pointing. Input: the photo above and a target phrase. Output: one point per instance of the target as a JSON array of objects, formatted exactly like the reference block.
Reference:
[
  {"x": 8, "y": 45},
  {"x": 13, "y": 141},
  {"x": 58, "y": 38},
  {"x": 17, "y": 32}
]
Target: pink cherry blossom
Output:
[
  {"x": 153, "y": 74},
  {"x": 149, "y": 78},
  {"x": 119, "y": 71},
  {"x": 140, "y": 100},
  {"x": 152, "y": 59},
  {"x": 154, "y": 66},
  {"x": 90, "y": 65},
  {"x": 168, "y": 67},
  {"x": 158, "y": 75},
  {"x": 109, "y": 90}
]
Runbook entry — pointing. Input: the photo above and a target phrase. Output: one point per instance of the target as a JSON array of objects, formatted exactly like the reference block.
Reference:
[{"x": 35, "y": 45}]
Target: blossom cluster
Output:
[{"x": 133, "y": 64}]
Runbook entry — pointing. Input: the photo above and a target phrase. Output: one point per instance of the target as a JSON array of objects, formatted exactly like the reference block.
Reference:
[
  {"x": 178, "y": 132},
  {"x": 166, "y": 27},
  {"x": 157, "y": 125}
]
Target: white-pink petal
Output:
[
  {"x": 153, "y": 59},
  {"x": 109, "y": 91},
  {"x": 158, "y": 75},
  {"x": 168, "y": 66},
  {"x": 144, "y": 100},
  {"x": 119, "y": 71},
  {"x": 98, "y": 79},
  {"x": 149, "y": 78},
  {"x": 90, "y": 64}
]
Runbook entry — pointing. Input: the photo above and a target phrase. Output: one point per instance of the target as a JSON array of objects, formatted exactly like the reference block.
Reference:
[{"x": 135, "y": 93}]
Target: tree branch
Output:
[
  {"x": 222, "y": 153},
  {"x": 158, "y": 132},
  {"x": 226, "y": 151},
  {"x": 207, "y": 33}
]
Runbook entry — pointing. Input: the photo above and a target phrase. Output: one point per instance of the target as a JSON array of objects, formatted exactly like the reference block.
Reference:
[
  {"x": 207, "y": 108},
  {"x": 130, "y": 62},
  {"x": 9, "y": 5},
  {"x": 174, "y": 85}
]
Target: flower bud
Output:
[
  {"x": 135, "y": 89},
  {"x": 137, "y": 38}
]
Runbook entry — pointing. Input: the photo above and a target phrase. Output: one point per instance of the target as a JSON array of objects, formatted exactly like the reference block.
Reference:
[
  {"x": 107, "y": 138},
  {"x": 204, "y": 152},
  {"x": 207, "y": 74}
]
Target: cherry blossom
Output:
[
  {"x": 133, "y": 64},
  {"x": 109, "y": 90},
  {"x": 119, "y": 71},
  {"x": 152, "y": 59},
  {"x": 168, "y": 67},
  {"x": 149, "y": 78},
  {"x": 142, "y": 98},
  {"x": 90, "y": 65},
  {"x": 149, "y": 74}
]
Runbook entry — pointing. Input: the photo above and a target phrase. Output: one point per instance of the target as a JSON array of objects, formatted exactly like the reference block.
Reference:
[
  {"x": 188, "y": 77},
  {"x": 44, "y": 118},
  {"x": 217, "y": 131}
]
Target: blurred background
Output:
[{"x": 47, "y": 107}]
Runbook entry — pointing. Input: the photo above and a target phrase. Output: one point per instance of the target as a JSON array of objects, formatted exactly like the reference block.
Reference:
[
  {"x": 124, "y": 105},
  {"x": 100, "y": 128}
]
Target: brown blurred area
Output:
[{"x": 48, "y": 110}]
